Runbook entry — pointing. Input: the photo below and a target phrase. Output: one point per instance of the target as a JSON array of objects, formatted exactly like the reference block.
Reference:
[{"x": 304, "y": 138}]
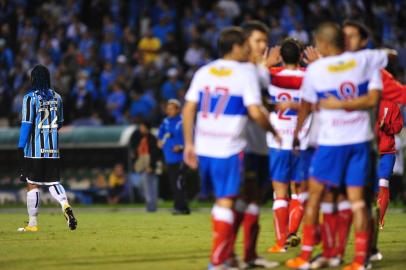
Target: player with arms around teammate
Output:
[
  {"x": 38, "y": 149},
  {"x": 345, "y": 85},
  {"x": 223, "y": 94},
  {"x": 285, "y": 166}
]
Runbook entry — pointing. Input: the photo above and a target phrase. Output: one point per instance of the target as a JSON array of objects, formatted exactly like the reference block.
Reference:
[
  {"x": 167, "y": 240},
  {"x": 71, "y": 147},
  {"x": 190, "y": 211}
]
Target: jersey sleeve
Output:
[
  {"x": 28, "y": 109},
  {"x": 192, "y": 93},
  {"x": 161, "y": 131},
  {"x": 60, "y": 111},
  {"x": 251, "y": 87},
  {"x": 308, "y": 92},
  {"x": 375, "y": 83},
  {"x": 376, "y": 59}
]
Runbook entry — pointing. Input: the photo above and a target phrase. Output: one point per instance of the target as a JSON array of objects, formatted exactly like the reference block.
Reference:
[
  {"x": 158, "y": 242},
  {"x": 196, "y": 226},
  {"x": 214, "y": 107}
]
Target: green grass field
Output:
[{"x": 127, "y": 239}]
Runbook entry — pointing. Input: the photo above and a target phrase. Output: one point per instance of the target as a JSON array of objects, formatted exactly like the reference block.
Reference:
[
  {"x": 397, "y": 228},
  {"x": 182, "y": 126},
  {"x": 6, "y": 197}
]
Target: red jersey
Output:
[
  {"x": 389, "y": 123},
  {"x": 392, "y": 89}
]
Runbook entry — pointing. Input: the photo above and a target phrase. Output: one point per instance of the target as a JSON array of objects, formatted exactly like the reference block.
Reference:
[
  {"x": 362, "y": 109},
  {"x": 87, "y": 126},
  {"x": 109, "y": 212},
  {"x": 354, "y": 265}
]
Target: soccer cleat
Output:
[
  {"x": 381, "y": 226},
  {"x": 376, "y": 256},
  {"x": 276, "y": 249},
  {"x": 354, "y": 266},
  {"x": 319, "y": 262},
  {"x": 28, "y": 229},
  {"x": 298, "y": 263},
  {"x": 70, "y": 218},
  {"x": 260, "y": 263},
  {"x": 335, "y": 261},
  {"x": 293, "y": 240},
  {"x": 221, "y": 267}
]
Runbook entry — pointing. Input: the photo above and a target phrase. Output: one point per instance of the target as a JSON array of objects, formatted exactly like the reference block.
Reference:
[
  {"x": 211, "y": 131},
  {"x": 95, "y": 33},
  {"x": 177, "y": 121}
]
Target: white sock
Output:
[
  {"x": 32, "y": 206},
  {"x": 58, "y": 192}
]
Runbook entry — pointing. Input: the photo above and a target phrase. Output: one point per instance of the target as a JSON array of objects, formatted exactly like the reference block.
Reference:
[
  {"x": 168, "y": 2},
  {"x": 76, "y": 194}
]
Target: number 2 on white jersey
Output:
[{"x": 282, "y": 114}]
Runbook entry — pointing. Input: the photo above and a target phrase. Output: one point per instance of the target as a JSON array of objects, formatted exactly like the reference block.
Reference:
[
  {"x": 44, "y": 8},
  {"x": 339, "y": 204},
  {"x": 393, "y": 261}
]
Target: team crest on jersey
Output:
[
  {"x": 221, "y": 72},
  {"x": 348, "y": 90},
  {"x": 343, "y": 66}
]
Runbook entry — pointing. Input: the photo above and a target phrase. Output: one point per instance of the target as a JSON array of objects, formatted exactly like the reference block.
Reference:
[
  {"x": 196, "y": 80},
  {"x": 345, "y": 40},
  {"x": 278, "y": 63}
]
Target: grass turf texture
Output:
[{"x": 137, "y": 240}]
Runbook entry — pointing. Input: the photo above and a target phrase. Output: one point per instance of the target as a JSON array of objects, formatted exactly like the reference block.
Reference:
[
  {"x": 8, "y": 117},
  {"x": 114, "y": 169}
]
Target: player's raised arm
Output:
[{"x": 188, "y": 114}]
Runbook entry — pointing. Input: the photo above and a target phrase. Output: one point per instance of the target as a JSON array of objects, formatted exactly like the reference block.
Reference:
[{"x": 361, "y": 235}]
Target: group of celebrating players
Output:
[
  {"x": 315, "y": 125},
  {"x": 257, "y": 114}
]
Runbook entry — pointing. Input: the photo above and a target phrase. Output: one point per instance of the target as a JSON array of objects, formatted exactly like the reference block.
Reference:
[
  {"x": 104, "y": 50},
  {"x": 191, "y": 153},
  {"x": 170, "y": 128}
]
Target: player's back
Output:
[
  {"x": 223, "y": 89},
  {"x": 45, "y": 115},
  {"x": 346, "y": 76},
  {"x": 285, "y": 86}
]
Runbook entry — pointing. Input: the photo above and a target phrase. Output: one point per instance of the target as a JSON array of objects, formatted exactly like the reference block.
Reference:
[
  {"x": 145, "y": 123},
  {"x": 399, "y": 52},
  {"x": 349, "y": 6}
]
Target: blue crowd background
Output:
[{"x": 117, "y": 62}]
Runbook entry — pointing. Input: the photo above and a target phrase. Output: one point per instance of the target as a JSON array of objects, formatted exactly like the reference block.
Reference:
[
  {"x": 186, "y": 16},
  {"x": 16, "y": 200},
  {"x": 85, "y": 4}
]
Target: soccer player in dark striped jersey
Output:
[{"x": 38, "y": 149}]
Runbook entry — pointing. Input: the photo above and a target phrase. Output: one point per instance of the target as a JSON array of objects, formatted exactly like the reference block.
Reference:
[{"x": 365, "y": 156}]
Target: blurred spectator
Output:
[
  {"x": 147, "y": 158},
  {"x": 6, "y": 55},
  {"x": 149, "y": 47},
  {"x": 141, "y": 106},
  {"x": 299, "y": 34},
  {"x": 107, "y": 77},
  {"x": 115, "y": 103},
  {"x": 117, "y": 180},
  {"x": 110, "y": 48},
  {"x": 170, "y": 89},
  {"x": 194, "y": 54}
]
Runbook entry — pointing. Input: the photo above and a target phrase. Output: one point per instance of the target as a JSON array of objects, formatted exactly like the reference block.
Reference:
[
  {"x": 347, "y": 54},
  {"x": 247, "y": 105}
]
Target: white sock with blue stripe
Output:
[
  {"x": 58, "y": 192},
  {"x": 32, "y": 206}
]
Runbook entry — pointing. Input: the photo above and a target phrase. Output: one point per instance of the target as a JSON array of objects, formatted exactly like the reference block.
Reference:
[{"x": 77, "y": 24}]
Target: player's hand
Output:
[
  {"x": 284, "y": 105},
  {"x": 160, "y": 144},
  {"x": 189, "y": 156},
  {"x": 272, "y": 57},
  {"x": 311, "y": 54},
  {"x": 331, "y": 103}
]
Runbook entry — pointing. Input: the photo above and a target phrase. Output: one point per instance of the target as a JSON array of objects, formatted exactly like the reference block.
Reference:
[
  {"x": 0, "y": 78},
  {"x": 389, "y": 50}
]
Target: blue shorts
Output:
[
  {"x": 347, "y": 165},
  {"x": 305, "y": 162},
  {"x": 223, "y": 174},
  {"x": 385, "y": 166},
  {"x": 256, "y": 167},
  {"x": 284, "y": 166}
]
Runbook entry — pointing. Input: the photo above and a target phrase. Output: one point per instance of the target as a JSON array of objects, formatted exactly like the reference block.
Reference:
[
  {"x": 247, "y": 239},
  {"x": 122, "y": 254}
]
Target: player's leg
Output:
[
  {"x": 225, "y": 176},
  {"x": 344, "y": 221},
  {"x": 57, "y": 191},
  {"x": 385, "y": 169},
  {"x": 357, "y": 173},
  {"x": 311, "y": 215},
  {"x": 280, "y": 173},
  {"x": 33, "y": 202}
]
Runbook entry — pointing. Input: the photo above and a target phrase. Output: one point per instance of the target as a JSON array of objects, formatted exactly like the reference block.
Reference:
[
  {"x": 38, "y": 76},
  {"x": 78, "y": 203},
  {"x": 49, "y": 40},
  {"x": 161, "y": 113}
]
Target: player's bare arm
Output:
[
  {"x": 360, "y": 103},
  {"x": 259, "y": 115},
  {"x": 188, "y": 114},
  {"x": 304, "y": 111}
]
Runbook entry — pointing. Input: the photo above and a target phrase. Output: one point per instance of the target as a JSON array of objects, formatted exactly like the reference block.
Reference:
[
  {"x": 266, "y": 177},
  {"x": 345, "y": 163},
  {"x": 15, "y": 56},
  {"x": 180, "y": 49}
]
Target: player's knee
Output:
[
  {"x": 225, "y": 202},
  {"x": 358, "y": 205}
]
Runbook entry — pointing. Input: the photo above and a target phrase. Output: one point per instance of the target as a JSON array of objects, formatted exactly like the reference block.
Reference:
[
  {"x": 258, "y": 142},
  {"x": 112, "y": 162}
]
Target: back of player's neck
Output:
[{"x": 291, "y": 66}]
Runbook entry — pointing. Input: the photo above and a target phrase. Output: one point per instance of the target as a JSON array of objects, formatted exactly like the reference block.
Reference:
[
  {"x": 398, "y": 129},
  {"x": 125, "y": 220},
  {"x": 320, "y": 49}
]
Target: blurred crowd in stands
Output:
[{"x": 117, "y": 62}]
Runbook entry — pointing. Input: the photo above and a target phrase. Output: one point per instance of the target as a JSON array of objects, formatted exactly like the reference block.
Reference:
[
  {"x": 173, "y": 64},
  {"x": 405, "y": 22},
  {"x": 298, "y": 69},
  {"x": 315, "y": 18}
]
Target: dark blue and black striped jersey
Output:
[{"x": 45, "y": 116}]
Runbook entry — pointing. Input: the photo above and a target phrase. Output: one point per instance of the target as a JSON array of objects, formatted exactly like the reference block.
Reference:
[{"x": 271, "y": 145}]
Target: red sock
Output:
[
  {"x": 328, "y": 229},
  {"x": 361, "y": 247},
  {"x": 383, "y": 201},
  {"x": 223, "y": 220},
  {"x": 309, "y": 232},
  {"x": 280, "y": 208},
  {"x": 296, "y": 211},
  {"x": 238, "y": 212},
  {"x": 344, "y": 221},
  {"x": 251, "y": 231}
]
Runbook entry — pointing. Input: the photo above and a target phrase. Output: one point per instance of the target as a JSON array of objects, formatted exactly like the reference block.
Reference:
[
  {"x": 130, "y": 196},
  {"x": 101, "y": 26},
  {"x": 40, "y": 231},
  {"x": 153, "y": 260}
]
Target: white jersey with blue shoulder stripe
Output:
[{"x": 223, "y": 89}]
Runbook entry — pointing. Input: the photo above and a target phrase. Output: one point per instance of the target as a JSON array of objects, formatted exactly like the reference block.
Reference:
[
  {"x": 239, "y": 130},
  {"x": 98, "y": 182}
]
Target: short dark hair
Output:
[
  {"x": 331, "y": 32},
  {"x": 254, "y": 25},
  {"x": 229, "y": 37},
  {"x": 362, "y": 28},
  {"x": 291, "y": 50}
]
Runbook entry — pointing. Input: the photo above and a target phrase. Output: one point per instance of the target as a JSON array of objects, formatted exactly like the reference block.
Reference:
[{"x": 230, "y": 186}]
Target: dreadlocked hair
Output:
[{"x": 41, "y": 81}]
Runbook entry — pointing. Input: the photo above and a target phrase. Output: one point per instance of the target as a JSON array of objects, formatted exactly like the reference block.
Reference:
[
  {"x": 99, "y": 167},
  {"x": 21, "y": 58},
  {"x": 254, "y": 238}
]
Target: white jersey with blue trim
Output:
[
  {"x": 223, "y": 89},
  {"x": 346, "y": 76}
]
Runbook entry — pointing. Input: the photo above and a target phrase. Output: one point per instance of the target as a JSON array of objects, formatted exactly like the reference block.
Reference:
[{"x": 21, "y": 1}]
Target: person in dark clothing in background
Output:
[
  {"x": 170, "y": 139},
  {"x": 147, "y": 159}
]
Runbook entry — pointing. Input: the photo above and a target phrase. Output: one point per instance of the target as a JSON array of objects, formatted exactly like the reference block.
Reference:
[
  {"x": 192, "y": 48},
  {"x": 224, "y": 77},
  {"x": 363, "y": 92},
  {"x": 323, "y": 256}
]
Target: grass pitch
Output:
[{"x": 132, "y": 239}]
